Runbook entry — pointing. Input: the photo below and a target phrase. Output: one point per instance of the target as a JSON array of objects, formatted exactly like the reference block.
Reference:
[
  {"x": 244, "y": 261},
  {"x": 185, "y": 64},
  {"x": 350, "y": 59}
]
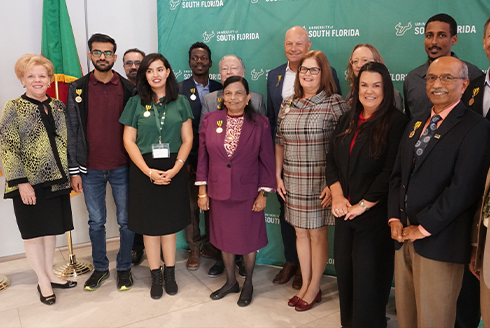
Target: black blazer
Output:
[
  {"x": 477, "y": 84},
  {"x": 359, "y": 175},
  {"x": 185, "y": 89},
  {"x": 441, "y": 191}
]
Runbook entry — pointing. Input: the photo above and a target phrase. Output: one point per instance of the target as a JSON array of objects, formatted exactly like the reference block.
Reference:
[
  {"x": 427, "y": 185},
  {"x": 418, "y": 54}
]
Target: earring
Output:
[
  {"x": 247, "y": 103},
  {"x": 23, "y": 86}
]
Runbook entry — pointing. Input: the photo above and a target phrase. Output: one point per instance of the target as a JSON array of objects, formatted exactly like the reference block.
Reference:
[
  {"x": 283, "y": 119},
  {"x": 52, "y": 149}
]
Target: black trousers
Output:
[{"x": 364, "y": 264}]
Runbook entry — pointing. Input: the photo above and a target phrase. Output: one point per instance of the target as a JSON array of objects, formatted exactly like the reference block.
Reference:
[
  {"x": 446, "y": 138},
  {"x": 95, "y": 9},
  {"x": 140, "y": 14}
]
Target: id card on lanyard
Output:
[{"x": 160, "y": 150}]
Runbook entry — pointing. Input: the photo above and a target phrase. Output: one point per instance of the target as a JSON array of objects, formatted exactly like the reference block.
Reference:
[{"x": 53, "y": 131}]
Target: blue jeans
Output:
[{"x": 94, "y": 189}]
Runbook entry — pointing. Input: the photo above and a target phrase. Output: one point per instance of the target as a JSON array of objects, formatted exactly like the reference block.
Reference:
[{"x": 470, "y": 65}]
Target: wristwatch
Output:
[
  {"x": 265, "y": 193},
  {"x": 361, "y": 203}
]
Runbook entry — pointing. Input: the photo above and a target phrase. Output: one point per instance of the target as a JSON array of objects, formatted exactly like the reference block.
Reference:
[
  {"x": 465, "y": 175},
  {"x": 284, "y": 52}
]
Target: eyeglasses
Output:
[
  {"x": 196, "y": 58},
  {"x": 313, "y": 70},
  {"x": 363, "y": 61},
  {"x": 98, "y": 53},
  {"x": 444, "y": 78},
  {"x": 131, "y": 63}
]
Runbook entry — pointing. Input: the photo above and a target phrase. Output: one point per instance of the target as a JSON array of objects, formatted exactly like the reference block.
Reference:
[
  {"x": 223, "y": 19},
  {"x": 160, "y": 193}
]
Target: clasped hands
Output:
[
  {"x": 400, "y": 234},
  {"x": 341, "y": 206},
  {"x": 159, "y": 177}
]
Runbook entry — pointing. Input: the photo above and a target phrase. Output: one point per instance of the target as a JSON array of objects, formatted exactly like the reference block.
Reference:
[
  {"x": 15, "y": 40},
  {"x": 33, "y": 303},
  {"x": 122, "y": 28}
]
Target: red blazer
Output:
[{"x": 252, "y": 165}]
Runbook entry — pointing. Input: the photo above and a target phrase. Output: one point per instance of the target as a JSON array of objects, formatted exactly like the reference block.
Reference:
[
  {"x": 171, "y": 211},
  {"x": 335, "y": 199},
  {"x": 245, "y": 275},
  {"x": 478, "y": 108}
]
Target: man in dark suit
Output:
[
  {"x": 280, "y": 84},
  {"x": 195, "y": 88},
  {"x": 435, "y": 186}
]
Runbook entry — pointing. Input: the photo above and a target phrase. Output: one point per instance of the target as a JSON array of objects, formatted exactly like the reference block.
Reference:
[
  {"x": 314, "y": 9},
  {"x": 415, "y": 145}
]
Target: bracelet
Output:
[
  {"x": 202, "y": 196},
  {"x": 179, "y": 160},
  {"x": 150, "y": 177},
  {"x": 361, "y": 203}
]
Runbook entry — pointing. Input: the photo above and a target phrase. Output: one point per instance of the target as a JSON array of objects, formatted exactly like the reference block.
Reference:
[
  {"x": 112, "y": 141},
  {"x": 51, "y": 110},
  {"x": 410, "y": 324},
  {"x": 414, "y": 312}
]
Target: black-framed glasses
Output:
[
  {"x": 313, "y": 70},
  {"x": 131, "y": 63},
  {"x": 98, "y": 53},
  {"x": 196, "y": 58},
  {"x": 444, "y": 78}
]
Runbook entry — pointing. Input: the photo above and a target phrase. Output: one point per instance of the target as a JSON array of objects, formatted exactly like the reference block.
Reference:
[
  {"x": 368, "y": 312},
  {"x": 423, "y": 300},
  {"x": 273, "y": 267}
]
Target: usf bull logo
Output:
[
  {"x": 400, "y": 30},
  {"x": 207, "y": 37},
  {"x": 256, "y": 75},
  {"x": 174, "y": 4},
  {"x": 177, "y": 74}
]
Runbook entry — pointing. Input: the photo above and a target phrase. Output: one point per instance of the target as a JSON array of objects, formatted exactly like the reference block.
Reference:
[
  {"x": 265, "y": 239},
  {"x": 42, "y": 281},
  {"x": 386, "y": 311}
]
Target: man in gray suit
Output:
[{"x": 230, "y": 65}]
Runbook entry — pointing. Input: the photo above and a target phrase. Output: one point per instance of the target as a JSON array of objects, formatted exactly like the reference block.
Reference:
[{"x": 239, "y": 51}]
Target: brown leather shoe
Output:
[
  {"x": 298, "y": 279},
  {"x": 193, "y": 260},
  {"x": 286, "y": 273}
]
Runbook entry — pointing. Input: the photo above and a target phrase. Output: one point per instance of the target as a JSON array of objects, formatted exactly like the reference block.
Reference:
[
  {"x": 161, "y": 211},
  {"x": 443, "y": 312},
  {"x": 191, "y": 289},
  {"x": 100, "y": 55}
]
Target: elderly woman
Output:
[
  {"x": 34, "y": 156},
  {"x": 359, "y": 165},
  {"x": 158, "y": 138},
  {"x": 361, "y": 54},
  {"x": 235, "y": 172},
  {"x": 305, "y": 124}
]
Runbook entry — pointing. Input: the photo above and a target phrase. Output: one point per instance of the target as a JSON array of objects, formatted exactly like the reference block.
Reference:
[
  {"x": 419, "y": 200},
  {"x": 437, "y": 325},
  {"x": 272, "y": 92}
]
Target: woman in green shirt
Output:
[{"x": 158, "y": 138}]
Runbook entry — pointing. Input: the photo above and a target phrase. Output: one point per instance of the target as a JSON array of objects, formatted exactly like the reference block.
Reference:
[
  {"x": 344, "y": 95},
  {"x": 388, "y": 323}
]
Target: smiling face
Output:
[
  {"x": 199, "y": 62},
  {"x": 36, "y": 81},
  {"x": 310, "y": 82},
  {"x": 486, "y": 41},
  {"x": 296, "y": 44},
  {"x": 370, "y": 90},
  {"x": 441, "y": 94},
  {"x": 235, "y": 98},
  {"x": 438, "y": 40},
  {"x": 360, "y": 56},
  {"x": 230, "y": 66},
  {"x": 156, "y": 75}
]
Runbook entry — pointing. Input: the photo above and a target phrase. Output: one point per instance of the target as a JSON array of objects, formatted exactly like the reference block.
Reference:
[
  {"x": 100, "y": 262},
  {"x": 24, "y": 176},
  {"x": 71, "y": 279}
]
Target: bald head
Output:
[
  {"x": 296, "y": 45},
  {"x": 454, "y": 75}
]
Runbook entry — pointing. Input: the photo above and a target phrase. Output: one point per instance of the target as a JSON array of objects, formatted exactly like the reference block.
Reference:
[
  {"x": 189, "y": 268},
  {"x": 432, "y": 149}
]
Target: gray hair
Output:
[
  {"x": 464, "y": 70},
  {"x": 232, "y": 56}
]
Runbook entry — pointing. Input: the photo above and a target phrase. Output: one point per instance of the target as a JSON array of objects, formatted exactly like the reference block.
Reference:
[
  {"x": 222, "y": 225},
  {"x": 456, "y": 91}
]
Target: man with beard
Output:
[
  {"x": 440, "y": 36},
  {"x": 131, "y": 62},
  {"x": 96, "y": 155},
  {"x": 195, "y": 88}
]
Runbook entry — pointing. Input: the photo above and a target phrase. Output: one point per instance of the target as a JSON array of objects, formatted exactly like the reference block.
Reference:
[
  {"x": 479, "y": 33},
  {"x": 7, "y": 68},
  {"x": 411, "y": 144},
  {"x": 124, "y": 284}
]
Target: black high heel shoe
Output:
[
  {"x": 67, "y": 284},
  {"x": 48, "y": 300}
]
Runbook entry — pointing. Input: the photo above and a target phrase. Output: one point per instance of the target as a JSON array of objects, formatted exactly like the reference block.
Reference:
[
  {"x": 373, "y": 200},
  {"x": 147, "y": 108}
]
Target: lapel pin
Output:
[
  {"x": 147, "y": 113},
  {"x": 279, "y": 78},
  {"x": 78, "y": 99},
  {"x": 219, "y": 129}
]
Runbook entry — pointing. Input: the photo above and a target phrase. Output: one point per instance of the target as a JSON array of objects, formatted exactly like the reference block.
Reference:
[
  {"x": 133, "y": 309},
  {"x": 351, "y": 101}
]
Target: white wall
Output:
[{"x": 132, "y": 23}]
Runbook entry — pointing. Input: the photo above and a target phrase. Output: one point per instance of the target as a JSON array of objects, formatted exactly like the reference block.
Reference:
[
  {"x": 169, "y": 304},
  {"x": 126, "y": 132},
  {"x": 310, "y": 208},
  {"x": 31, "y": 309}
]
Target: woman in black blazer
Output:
[{"x": 359, "y": 166}]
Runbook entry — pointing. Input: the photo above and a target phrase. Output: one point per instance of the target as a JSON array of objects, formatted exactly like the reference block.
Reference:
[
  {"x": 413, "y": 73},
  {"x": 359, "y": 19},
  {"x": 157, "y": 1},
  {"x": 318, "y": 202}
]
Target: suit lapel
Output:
[
  {"x": 451, "y": 120},
  {"x": 412, "y": 141},
  {"x": 360, "y": 143},
  {"x": 247, "y": 130}
]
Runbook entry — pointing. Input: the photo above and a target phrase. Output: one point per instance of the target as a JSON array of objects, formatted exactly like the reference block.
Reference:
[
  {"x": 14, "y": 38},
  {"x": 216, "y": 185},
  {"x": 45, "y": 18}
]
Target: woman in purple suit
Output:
[{"x": 235, "y": 172}]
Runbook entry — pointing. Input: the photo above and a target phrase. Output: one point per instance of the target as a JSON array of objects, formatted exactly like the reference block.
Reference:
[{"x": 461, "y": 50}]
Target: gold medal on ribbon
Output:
[
  {"x": 193, "y": 95},
  {"x": 472, "y": 100},
  {"x": 279, "y": 78},
  {"x": 147, "y": 112},
  {"x": 415, "y": 127},
  {"x": 219, "y": 104},
  {"x": 78, "y": 99},
  {"x": 219, "y": 129},
  {"x": 411, "y": 134}
]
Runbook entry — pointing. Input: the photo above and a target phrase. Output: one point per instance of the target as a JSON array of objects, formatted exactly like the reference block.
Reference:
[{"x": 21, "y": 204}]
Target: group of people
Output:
[{"x": 402, "y": 182}]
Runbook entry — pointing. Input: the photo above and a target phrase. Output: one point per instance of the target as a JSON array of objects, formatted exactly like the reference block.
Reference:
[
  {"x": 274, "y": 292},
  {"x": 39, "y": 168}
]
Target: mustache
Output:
[{"x": 438, "y": 90}]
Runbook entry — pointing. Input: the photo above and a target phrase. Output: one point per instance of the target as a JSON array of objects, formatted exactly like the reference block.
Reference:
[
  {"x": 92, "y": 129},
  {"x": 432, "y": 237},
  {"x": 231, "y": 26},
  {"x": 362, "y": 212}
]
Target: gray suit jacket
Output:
[{"x": 210, "y": 103}]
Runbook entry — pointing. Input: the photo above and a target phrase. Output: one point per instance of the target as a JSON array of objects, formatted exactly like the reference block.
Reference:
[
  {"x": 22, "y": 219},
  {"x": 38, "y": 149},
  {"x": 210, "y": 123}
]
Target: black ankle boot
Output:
[
  {"x": 169, "y": 277},
  {"x": 156, "y": 290}
]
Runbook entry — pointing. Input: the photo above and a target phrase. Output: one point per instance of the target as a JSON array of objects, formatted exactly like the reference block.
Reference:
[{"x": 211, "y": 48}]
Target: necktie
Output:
[{"x": 425, "y": 137}]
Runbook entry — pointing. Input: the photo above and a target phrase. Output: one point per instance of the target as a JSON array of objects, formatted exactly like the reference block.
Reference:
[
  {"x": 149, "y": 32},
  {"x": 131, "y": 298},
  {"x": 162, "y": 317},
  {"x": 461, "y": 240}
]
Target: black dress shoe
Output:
[
  {"x": 220, "y": 293},
  {"x": 48, "y": 300},
  {"x": 137, "y": 257},
  {"x": 245, "y": 297},
  {"x": 67, "y": 284},
  {"x": 217, "y": 269}
]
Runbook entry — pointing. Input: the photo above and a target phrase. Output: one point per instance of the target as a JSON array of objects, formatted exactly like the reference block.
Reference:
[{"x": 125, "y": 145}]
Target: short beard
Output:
[{"x": 102, "y": 69}]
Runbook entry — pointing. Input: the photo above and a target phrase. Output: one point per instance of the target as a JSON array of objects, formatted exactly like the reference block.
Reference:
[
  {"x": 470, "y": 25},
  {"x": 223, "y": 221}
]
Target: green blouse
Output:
[{"x": 176, "y": 113}]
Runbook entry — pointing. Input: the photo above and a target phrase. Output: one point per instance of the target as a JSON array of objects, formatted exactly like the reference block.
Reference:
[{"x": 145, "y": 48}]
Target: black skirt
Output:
[
  {"x": 50, "y": 216},
  {"x": 157, "y": 210}
]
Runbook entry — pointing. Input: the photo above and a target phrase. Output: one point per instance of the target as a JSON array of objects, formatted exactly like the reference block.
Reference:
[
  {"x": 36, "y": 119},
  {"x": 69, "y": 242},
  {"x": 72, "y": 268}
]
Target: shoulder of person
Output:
[
  {"x": 278, "y": 69},
  {"x": 77, "y": 83},
  {"x": 419, "y": 71},
  {"x": 210, "y": 96}
]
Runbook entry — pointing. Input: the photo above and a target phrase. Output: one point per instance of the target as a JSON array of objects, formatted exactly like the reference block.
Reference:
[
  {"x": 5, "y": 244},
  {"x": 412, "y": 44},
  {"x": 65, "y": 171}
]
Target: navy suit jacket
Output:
[
  {"x": 185, "y": 89},
  {"x": 274, "y": 93},
  {"x": 442, "y": 190},
  {"x": 252, "y": 165}
]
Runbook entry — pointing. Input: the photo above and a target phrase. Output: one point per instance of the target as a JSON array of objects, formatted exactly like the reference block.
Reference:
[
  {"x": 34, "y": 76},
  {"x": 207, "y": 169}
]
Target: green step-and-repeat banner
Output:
[{"x": 254, "y": 30}]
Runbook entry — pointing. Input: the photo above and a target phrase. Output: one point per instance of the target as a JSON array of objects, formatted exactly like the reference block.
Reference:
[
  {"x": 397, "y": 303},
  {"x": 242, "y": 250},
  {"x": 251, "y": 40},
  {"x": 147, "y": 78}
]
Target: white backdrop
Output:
[{"x": 132, "y": 23}]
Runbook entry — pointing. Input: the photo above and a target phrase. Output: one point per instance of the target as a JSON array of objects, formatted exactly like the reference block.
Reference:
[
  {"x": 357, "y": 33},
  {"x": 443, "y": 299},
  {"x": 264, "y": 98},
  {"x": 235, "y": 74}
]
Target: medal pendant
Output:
[
  {"x": 219, "y": 130},
  {"x": 471, "y": 102},
  {"x": 193, "y": 97},
  {"x": 412, "y": 134},
  {"x": 78, "y": 99},
  {"x": 146, "y": 114}
]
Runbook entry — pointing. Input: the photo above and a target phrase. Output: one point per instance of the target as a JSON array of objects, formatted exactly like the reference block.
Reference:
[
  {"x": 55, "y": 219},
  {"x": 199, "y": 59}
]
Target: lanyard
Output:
[{"x": 162, "y": 121}]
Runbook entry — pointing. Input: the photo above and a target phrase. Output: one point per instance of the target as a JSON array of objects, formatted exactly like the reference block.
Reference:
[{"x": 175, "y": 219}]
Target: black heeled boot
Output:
[{"x": 169, "y": 277}]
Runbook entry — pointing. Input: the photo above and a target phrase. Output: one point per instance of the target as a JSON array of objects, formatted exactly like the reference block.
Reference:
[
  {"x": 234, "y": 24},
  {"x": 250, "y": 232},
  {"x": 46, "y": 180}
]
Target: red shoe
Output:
[
  {"x": 293, "y": 301},
  {"x": 303, "y": 306}
]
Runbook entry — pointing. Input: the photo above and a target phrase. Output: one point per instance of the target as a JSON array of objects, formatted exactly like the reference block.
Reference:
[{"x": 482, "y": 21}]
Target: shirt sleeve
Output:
[
  {"x": 186, "y": 108},
  {"x": 129, "y": 115}
]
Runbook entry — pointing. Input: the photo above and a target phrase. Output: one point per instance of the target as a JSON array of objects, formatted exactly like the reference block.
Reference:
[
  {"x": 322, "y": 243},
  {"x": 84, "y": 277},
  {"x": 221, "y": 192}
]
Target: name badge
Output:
[{"x": 160, "y": 150}]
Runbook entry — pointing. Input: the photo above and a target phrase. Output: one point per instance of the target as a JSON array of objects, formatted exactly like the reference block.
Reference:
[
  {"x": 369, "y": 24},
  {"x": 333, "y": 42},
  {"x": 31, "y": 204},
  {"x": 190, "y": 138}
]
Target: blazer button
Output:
[
  {"x": 401, "y": 209},
  {"x": 228, "y": 165}
]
